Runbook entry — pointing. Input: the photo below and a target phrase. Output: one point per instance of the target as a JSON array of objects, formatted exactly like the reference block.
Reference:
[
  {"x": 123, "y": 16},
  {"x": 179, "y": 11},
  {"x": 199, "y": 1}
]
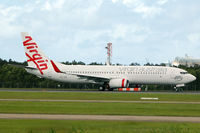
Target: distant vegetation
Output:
[{"x": 15, "y": 77}]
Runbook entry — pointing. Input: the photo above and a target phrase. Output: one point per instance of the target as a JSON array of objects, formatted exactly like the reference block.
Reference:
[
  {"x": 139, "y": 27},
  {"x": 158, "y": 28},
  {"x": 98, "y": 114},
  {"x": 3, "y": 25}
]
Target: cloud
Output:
[
  {"x": 83, "y": 27},
  {"x": 194, "y": 38},
  {"x": 6, "y": 11},
  {"x": 36, "y": 15},
  {"x": 120, "y": 31},
  {"x": 8, "y": 15},
  {"x": 140, "y": 7},
  {"x": 48, "y": 6},
  {"x": 114, "y": 1},
  {"x": 147, "y": 11},
  {"x": 59, "y": 4},
  {"x": 129, "y": 33},
  {"x": 162, "y": 2}
]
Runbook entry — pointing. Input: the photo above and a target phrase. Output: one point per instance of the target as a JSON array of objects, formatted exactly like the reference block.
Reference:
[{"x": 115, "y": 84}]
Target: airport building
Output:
[{"x": 186, "y": 61}]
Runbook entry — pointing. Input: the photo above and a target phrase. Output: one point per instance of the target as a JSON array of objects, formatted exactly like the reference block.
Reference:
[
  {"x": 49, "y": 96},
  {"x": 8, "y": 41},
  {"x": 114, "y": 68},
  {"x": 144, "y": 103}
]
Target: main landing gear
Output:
[{"x": 104, "y": 87}]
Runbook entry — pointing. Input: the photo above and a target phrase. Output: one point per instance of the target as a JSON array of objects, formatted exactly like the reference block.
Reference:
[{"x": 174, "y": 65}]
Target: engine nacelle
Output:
[{"x": 118, "y": 83}]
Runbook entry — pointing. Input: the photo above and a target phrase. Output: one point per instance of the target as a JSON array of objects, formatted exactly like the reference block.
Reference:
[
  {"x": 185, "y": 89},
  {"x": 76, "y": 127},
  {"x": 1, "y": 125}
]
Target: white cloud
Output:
[
  {"x": 35, "y": 16},
  {"x": 114, "y": 1},
  {"x": 89, "y": 35},
  {"x": 47, "y": 6},
  {"x": 8, "y": 15},
  {"x": 92, "y": 8},
  {"x": 130, "y": 3},
  {"x": 162, "y": 2},
  {"x": 59, "y": 4},
  {"x": 7, "y": 11},
  {"x": 50, "y": 5},
  {"x": 140, "y": 7},
  {"x": 9, "y": 30},
  {"x": 87, "y": 25},
  {"x": 147, "y": 11},
  {"x": 194, "y": 38},
  {"x": 129, "y": 33},
  {"x": 119, "y": 31}
]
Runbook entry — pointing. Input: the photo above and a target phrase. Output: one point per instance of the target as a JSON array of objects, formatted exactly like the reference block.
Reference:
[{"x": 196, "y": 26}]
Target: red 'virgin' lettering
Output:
[
  {"x": 40, "y": 61},
  {"x": 30, "y": 47},
  {"x": 36, "y": 58},
  {"x": 33, "y": 51},
  {"x": 43, "y": 66},
  {"x": 28, "y": 40}
]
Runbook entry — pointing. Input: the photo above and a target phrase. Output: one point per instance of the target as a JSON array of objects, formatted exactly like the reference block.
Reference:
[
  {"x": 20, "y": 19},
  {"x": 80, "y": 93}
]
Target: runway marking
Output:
[
  {"x": 149, "y": 98},
  {"x": 101, "y": 117},
  {"x": 99, "y": 101}
]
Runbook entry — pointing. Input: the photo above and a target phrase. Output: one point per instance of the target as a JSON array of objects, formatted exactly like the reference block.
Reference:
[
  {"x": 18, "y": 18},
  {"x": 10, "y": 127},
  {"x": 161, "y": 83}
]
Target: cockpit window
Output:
[{"x": 184, "y": 72}]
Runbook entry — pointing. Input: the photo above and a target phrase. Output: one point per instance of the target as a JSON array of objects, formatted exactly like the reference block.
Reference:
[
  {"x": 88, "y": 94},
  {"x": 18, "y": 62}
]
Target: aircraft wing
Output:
[{"x": 94, "y": 78}]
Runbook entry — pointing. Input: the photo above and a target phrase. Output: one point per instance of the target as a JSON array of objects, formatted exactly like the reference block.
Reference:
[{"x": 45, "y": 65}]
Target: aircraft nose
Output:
[{"x": 192, "y": 77}]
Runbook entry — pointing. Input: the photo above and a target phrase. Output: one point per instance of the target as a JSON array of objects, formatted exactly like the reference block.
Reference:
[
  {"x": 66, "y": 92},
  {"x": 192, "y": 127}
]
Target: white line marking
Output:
[{"x": 149, "y": 98}]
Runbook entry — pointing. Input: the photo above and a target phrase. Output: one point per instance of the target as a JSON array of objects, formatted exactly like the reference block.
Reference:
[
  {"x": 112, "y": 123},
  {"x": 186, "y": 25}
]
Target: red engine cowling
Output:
[{"x": 118, "y": 83}]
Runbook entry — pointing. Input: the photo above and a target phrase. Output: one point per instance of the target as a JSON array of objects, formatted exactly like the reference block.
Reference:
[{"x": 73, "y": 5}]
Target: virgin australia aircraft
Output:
[{"x": 109, "y": 77}]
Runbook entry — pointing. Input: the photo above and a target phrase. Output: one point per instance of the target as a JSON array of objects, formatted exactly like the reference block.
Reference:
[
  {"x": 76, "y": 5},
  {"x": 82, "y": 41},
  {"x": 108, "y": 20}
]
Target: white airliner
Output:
[{"x": 109, "y": 77}]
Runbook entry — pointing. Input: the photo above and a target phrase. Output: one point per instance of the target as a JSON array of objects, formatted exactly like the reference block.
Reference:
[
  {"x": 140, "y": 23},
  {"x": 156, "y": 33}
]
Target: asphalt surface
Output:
[
  {"x": 94, "y": 91},
  {"x": 99, "y": 101},
  {"x": 101, "y": 117}
]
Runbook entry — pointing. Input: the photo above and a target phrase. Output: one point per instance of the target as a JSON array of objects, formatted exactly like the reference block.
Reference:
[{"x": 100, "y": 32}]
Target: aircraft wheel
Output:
[
  {"x": 101, "y": 88},
  {"x": 110, "y": 89}
]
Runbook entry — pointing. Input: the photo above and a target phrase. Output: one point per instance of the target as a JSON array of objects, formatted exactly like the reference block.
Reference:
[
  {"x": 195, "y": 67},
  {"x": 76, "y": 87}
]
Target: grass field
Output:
[
  {"x": 145, "y": 109},
  {"x": 158, "y": 109},
  {"x": 99, "y": 96},
  {"x": 70, "y": 126}
]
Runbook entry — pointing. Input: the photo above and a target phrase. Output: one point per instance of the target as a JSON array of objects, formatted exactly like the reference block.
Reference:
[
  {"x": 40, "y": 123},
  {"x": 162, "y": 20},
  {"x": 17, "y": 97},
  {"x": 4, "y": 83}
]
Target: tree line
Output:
[{"x": 15, "y": 77}]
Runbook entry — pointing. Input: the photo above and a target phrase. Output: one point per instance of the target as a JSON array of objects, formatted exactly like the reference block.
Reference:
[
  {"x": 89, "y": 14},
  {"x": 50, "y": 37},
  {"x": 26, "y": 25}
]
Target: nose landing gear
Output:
[{"x": 179, "y": 87}]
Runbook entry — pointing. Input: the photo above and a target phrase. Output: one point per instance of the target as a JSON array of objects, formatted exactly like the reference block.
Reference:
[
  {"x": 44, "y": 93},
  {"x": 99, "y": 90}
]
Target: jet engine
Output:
[{"x": 118, "y": 83}]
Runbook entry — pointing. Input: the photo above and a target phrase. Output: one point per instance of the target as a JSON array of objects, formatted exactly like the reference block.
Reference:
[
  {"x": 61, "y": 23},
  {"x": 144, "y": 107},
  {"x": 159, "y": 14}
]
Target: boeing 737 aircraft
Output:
[{"x": 109, "y": 77}]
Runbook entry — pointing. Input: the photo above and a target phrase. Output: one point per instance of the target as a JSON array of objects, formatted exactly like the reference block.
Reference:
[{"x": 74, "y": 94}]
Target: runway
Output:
[
  {"x": 99, "y": 101},
  {"x": 98, "y": 117},
  {"x": 101, "y": 117},
  {"x": 95, "y": 91}
]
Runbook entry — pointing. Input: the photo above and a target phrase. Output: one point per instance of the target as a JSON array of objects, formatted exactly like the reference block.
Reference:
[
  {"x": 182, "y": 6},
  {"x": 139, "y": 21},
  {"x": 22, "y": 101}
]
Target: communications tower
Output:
[{"x": 109, "y": 53}]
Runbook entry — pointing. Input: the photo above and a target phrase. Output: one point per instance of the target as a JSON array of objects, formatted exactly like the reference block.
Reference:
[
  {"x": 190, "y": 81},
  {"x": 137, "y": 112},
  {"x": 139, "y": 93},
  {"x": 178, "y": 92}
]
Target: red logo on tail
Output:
[{"x": 36, "y": 58}]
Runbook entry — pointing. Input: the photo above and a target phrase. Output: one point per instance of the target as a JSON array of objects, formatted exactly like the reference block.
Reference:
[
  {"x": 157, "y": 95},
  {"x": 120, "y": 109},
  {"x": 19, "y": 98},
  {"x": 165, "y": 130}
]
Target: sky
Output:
[{"x": 141, "y": 31}]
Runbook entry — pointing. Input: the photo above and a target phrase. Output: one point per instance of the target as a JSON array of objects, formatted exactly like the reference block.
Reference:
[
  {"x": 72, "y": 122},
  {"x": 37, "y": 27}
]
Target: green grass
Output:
[
  {"x": 70, "y": 126},
  {"x": 157, "y": 109},
  {"x": 77, "y": 126},
  {"x": 98, "y": 96}
]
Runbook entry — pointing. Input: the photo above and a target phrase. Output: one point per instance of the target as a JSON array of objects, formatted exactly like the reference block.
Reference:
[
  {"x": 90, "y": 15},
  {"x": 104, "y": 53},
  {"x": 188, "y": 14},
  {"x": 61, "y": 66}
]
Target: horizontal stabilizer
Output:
[
  {"x": 32, "y": 68},
  {"x": 22, "y": 66}
]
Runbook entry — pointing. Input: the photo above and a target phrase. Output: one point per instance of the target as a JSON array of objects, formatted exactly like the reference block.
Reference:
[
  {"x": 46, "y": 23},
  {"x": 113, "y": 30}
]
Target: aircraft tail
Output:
[{"x": 35, "y": 57}]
